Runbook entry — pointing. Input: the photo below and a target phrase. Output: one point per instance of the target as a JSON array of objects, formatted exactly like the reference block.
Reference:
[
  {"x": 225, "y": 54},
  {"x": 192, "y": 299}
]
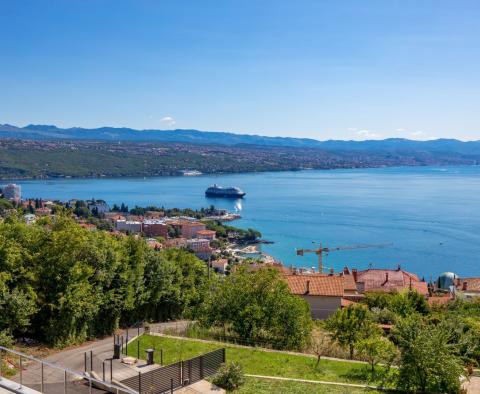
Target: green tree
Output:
[
  {"x": 408, "y": 302},
  {"x": 16, "y": 309},
  {"x": 376, "y": 349},
  {"x": 62, "y": 284},
  {"x": 378, "y": 299},
  {"x": 350, "y": 325},
  {"x": 429, "y": 361},
  {"x": 402, "y": 304},
  {"x": 258, "y": 306},
  {"x": 176, "y": 283},
  {"x": 5, "y": 205}
]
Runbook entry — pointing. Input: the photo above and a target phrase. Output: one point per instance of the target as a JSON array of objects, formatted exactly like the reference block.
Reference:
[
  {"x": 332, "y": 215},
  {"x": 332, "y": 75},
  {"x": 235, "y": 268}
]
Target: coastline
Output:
[
  {"x": 431, "y": 225},
  {"x": 209, "y": 174}
]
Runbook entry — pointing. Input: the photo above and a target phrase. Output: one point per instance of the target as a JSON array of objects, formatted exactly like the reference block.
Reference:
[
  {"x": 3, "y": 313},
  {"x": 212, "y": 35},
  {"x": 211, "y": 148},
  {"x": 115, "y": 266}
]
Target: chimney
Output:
[
  {"x": 354, "y": 273},
  {"x": 308, "y": 287},
  {"x": 346, "y": 271},
  {"x": 399, "y": 268},
  {"x": 331, "y": 272},
  {"x": 464, "y": 286},
  {"x": 386, "y": 278}
]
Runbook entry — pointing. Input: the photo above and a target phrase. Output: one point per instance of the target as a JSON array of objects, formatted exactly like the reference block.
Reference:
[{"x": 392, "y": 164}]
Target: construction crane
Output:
[{"x": 321, "y": 250}]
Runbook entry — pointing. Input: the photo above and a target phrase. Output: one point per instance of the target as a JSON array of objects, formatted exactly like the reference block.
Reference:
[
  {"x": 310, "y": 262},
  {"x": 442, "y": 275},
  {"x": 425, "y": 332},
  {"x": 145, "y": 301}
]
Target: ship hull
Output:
[{"x": 224, "y": 195}]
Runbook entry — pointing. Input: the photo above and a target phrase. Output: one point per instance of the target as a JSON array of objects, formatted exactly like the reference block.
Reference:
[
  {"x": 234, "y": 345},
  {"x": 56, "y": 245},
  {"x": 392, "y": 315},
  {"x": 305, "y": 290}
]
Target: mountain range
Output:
[{"x": 113, "y": 134}]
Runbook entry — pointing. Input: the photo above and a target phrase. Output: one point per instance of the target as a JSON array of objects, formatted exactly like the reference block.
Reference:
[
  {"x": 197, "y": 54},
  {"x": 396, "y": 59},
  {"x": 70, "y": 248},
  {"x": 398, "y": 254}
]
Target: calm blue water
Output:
[{"x": 430, "y": 215}]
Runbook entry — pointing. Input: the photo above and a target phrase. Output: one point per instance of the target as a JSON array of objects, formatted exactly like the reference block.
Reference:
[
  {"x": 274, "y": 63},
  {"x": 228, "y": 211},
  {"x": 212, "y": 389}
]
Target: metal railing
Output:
[
  {"x": 176, "y": 375},
  {"x": 92, "y": 382}
]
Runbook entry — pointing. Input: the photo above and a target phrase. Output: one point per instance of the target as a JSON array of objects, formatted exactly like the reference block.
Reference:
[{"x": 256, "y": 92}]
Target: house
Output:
[
  {"x": 155, "y": 228},
  {"x": 468, "y": 287},
  {"x": 154, "y": 214},
  {"x": 128, "y": 225},
  {"x": 388, "y": 280},
  {"x": 201, "y": 247},
  {"x": 324, "y": 293},
  {"x": 190, "y": 229},
  {"x": 350, "y": 290},
  {"x": 206, "y": 234},
  {"x": 113, "y": 216},
  {"x": 99, "y": 206},
  {"x": 197, "y": 244},
  {"x": 135, "y": 218},
  {"x": 43, "y": 211},
  {"x": 175, "y": 243},
  {"x": 154, "y": 244},
  {"x": 219, "y": 265}
]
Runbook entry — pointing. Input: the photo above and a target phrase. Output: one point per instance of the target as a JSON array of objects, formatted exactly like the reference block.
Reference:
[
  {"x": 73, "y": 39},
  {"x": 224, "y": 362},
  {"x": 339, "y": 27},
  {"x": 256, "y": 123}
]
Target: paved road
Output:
[{"x": 73, "y": 359}]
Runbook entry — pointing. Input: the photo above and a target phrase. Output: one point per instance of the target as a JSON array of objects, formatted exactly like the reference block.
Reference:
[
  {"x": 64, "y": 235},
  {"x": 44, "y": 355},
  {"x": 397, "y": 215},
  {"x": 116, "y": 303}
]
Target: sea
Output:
[{"x": 425, "y": 219}]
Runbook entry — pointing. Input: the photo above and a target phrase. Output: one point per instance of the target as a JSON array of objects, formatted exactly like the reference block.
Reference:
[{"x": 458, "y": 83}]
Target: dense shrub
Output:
[{"x": 229, "y": 377}]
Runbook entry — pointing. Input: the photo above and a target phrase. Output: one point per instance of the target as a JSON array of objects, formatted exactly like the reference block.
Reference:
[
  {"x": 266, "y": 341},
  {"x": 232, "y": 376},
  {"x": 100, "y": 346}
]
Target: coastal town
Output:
[
  {"x": 239, "y": 197},
  {"x": 155, "y": 294},
  {"x": 224, "y": 248}
]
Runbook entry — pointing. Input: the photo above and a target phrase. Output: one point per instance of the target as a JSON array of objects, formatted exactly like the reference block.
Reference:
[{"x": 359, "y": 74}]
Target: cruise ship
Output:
[{"x": 226, "y": 192}]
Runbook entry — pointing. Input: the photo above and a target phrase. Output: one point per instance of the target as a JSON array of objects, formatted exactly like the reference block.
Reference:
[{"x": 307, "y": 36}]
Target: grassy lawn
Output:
[
  {"x": 258, "y": 362},
  {"x": 261, "y": 386}
]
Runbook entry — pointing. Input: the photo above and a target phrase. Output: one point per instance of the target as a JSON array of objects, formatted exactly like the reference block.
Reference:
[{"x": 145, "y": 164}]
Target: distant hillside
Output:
[
  {"x": 45, "y": 132},
  {"x": 29, "y": 158}
]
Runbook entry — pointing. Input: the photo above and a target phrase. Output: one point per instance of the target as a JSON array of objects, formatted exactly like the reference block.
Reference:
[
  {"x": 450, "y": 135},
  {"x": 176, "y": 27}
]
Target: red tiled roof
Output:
[
  {"x": 219, "y": 263},
  {"x": 420, "y": 287},
  {"x": 349, "y": 282},
  {"x": 472, "y": 284},
  {"x": 345, "y": 302},
  {"x": 320, "y": 285},
  {"x": 88, "y": 226},
  {"x": 206, "y": 232},
  {"x": 192, "y": 224},
  {"x": 390, "y": 280},
  {"x": 439, "y": 300}
]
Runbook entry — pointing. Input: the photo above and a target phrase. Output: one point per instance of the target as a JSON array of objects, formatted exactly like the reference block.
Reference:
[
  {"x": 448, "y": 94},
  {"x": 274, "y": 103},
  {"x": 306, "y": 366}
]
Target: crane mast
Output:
[{"x": 321, "y": 250}]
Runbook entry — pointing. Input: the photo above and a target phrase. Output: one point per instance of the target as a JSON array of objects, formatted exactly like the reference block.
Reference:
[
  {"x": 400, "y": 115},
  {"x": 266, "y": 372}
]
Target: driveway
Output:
[{"x": 74, "y": 360}]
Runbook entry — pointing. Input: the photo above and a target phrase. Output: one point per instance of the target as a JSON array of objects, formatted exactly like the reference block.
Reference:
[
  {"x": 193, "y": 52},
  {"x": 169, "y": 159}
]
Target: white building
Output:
[
  {"x": 100, "y": 205},
  {"x": 198, "y": 244},
  {"x": 29, "y": 218},
  {"x": 12, "y": 192},
  {"x": 219, "y": 265},
  {"x": 131, "y": 226}
]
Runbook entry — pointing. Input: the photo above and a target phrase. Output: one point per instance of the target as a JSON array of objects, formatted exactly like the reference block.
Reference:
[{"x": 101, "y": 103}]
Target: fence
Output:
[
  {"x": 48, "y": 377},
  {"x": 193, "y": 331},
  {"x": 176, "y": 375}
]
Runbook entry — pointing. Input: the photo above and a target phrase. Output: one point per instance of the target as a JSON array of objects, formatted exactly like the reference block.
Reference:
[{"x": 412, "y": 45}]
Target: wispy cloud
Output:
[
  {"x": 168, "y": 121},
  {"x": 367, "y": 134},
  {"x": 422, "y": 135}
]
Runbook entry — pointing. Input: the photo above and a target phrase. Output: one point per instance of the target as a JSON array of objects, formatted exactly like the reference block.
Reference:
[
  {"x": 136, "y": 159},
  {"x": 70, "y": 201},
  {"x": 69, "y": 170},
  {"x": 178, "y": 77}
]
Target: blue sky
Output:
[{"x": 322, "y": 69}]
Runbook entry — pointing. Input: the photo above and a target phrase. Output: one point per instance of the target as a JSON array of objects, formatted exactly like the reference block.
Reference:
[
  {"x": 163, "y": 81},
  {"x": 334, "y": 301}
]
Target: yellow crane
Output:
[{"x": 321, "y": 250}]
